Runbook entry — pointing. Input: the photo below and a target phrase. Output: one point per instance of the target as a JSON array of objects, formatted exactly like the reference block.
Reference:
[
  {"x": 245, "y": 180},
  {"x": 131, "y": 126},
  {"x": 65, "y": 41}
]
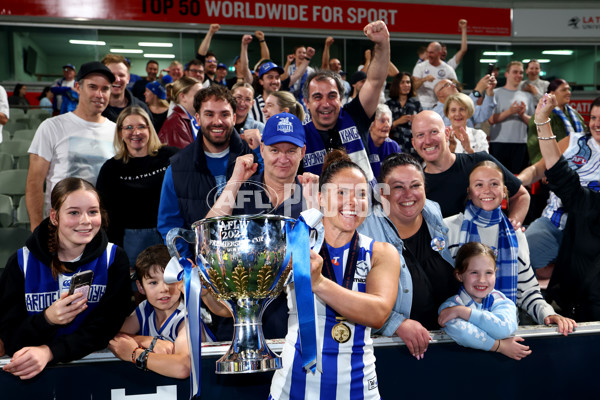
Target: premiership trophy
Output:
[{"x": 241, "y": 261}]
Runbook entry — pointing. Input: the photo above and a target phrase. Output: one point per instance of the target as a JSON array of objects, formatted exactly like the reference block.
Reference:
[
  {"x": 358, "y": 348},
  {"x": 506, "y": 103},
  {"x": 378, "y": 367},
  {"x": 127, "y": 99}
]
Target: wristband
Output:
[
  {"x": 542, "y": 123},
  {"x": 142, "y": 361},
  {"x": 260, "y": 41},
  {"x": 547, "y": 138},
  {"x": 498, "y": 348},
  {"x": 151, "y": 348},
  {"x": 133, "y": 353}
]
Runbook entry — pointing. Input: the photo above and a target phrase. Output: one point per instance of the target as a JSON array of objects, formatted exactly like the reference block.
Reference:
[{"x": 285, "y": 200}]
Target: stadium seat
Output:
[
  {"x": 6, "y": 211},
  {"x": 12, "y": 183},
  {"x": 24, "y": 135},
  {"x": 18, "y": 148},
  {"x": 16, "y": 113},
  {"x": 22, "y": 215},
  {"x": 11, "y": 239},
  {"x": 7, "y": 161}
]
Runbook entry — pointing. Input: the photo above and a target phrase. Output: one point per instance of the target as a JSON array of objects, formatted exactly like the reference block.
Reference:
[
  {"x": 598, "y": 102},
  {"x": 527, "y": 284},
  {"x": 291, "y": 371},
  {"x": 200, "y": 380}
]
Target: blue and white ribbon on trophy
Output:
[
  {"x": 298, "y": 247},
  {"x": 175, "y": 271}
]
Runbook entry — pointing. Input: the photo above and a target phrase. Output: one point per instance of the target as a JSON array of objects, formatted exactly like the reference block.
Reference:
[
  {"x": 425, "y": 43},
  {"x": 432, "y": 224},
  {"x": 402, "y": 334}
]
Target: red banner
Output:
[{"x": 310, "y": 14}]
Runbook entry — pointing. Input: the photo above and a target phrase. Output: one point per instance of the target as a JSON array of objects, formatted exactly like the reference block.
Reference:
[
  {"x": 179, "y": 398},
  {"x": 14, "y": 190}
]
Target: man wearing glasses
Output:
[
  {"x": 482, "y": 96},
  {"x": 75, "y": 144}
]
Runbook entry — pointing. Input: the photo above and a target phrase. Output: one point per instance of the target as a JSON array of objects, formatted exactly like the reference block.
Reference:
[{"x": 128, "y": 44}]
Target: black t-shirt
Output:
[
  {"x": 449, "y": 188},
  {"x": 432, "y": 277}
]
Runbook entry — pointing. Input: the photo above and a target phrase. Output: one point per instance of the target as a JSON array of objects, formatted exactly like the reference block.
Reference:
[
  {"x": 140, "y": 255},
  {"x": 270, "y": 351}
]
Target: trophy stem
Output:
[{"x": 248, "y": 351}]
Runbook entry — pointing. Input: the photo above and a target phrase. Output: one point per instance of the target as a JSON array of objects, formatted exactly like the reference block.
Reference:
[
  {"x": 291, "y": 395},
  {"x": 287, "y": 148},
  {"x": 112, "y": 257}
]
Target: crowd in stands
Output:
[{"x": 435, "y": 214}]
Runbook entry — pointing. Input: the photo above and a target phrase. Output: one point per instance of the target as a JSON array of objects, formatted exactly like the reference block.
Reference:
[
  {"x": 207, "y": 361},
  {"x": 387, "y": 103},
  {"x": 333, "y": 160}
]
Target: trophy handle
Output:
[
  {"x": 317, "y": 236},
  {"x": 185, "y": 234}
]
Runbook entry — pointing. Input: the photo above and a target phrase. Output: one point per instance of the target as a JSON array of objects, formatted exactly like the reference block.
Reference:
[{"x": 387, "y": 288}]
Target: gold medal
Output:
[{"x": 340, "y": 332}]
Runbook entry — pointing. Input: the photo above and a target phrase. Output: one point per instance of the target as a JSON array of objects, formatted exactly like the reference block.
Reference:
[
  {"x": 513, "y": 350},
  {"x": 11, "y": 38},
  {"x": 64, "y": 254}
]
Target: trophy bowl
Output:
[{"x": 241, "y": 261}]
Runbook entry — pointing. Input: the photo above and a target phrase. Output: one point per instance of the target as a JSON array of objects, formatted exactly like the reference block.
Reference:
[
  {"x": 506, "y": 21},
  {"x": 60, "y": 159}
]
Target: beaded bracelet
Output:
[
  {"x": 547, "y": 138},
  {"x": 542, "y": 123},
  {"x": 133, "y": 357}
]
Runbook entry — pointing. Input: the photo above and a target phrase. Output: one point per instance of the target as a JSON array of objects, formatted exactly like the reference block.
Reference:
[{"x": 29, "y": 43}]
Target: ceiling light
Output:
[
  {"x": 498, "y": 53},
  {"x": 88, "y": 42},
  {"x": 159, "y": 55},
  {"x": 154, "y": 44},
  {"x": 540, "y": 60},
  {"x": 558, "y": 52},
  {"x": 488, "y": 60},
  {"x": 127, "y": 51}
]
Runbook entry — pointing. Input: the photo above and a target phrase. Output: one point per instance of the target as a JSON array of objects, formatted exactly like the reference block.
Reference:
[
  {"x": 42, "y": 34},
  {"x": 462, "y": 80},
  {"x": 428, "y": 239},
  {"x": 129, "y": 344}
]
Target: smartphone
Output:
[
  {"x": 81, "y": 283},
  {"x": 490, "y": 69}
]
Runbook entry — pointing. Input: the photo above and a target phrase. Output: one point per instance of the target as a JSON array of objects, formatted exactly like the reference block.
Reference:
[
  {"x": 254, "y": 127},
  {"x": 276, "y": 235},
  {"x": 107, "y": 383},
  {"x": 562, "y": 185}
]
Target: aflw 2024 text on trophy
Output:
[{"x": 242, "y": 262}]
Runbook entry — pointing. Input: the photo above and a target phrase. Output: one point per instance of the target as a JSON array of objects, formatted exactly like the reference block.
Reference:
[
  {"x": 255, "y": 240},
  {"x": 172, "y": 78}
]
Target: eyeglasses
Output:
[
  {"x": 240, "y": 99},
  {"x": 196, "y": 71},
  {"x": 448, "y": 85},
  {"x": 211, "y": 61},
  {"x": 131, "y": 128}
]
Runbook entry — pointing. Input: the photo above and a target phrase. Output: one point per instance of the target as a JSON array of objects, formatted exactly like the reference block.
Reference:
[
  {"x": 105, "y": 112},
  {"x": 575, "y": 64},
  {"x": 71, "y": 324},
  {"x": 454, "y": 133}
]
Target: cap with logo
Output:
[
  {"x": 267, "y": 67},
  {"x": 284, "y": 127},
  {"x": 157, "y": 89},
  {"x": 95, "y": 67},
  {"x": 69, "y": 66},
  {"x": 221, "y": 65}
]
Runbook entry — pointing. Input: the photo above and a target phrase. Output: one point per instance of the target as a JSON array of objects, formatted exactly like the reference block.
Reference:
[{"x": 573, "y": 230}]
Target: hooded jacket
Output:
[{"x": 21, "y": 328}]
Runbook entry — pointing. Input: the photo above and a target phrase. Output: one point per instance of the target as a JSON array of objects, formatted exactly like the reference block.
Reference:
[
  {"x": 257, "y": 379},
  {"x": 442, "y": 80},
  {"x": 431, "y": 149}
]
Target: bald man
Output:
[
  {"x": 447, "y": 174},
  {"x": 428, "y": 73}
]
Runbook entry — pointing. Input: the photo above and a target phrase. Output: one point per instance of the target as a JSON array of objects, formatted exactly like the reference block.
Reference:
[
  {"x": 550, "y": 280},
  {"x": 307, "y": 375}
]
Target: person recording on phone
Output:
[{"x": 52, "y": 325}]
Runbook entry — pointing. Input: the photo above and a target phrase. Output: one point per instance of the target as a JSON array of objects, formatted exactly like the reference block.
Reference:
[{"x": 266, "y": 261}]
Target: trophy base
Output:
[{"x": 225, "y": 365}]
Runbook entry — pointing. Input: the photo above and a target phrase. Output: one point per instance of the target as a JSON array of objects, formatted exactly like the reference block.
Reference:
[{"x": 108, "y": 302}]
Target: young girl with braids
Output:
[{"x": 51, "y": 326}]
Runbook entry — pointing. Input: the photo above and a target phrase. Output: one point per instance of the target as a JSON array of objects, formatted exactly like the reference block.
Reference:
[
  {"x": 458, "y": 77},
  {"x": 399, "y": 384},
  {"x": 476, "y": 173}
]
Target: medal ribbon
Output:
[{"x": 328, "y": 270}]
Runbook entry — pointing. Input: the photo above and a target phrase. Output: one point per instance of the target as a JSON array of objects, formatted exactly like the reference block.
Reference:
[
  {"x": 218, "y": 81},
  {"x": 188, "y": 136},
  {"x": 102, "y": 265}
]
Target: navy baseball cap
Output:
[
  {"x": 269, "y": 66},
  {"x": 70, "y": 66},
  {"x": 284, "y": 127},
  {"x": 95, "y": 67},
  {"x": 157, "y": 89},
  {"x": 221, "y": 65}
]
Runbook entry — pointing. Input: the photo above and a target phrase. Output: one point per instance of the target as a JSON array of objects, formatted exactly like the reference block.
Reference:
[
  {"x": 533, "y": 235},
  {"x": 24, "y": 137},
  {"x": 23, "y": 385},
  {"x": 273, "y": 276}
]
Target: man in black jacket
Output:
[
  {"x": 120, "y": 96},
  {"x": 199, "y": 172}
]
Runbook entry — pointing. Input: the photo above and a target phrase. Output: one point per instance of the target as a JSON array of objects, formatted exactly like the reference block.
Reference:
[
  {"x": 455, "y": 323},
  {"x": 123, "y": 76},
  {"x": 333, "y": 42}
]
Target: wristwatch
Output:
[{"x": 477, "y": 93}]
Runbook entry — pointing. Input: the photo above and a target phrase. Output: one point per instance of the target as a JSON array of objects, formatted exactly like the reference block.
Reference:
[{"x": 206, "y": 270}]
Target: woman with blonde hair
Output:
[
  {"x": 181, "y": 128},
  {"x": 135, "y": 173},
  {"x": 458, "y": 108},
  {"x": 282, "y": 101}
]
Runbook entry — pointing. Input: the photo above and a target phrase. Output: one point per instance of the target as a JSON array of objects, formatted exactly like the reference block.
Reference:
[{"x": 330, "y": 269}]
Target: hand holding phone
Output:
[{"x": 81, "y": 283}]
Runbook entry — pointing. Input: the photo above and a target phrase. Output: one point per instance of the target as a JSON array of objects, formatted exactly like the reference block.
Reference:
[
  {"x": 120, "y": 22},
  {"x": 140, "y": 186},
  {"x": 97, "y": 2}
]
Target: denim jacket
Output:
[{"x": 379, "y": 227}]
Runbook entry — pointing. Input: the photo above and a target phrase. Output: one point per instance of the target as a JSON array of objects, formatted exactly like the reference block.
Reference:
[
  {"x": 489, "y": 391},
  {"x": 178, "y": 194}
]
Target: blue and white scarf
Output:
[
  {"x": 507, "y": 270},
  {"x": 193, "y": 122},
  {"x": 573, "y": 115},
  {"x": 486, "y": 302}
]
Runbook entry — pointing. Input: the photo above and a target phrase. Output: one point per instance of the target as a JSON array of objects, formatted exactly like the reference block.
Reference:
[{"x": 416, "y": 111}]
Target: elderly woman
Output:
[
  {"x": 564, "y": 120},
  {"x": 156, "y": 99},
  {"x": 463, "y": 139},
  {"x": 413, "y": 225},
  {"x": 380, "y": 144},
  {"x": 404, "y": 105},
  {"x": 130, "y": 183},
  {"x": 181, "y": 128}
]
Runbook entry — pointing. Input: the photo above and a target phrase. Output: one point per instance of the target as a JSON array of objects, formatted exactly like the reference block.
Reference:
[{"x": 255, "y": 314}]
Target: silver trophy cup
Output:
[{"x": 241, "y": 263}]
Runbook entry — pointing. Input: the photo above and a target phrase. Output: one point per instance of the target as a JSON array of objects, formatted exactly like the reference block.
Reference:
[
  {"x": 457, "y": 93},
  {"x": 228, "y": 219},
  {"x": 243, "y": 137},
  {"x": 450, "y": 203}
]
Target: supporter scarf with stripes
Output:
[
  {"x": 506, "y": 261},
  {"x": 568, "y": 126}
]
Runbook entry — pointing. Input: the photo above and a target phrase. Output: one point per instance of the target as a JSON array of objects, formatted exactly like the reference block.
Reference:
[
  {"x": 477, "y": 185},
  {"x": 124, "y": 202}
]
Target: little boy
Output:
[{"x": 154, "y": 337}]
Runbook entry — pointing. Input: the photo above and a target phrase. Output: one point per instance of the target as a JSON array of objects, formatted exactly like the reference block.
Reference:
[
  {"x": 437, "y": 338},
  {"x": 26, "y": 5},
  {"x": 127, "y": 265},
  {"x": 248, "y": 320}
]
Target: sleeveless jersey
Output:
[
  {"x": 147, "y": 320},
  {"x": 348, "y": 369},
  {"x": 41, "y": 289},
  {"x": 583, "y": 156}
]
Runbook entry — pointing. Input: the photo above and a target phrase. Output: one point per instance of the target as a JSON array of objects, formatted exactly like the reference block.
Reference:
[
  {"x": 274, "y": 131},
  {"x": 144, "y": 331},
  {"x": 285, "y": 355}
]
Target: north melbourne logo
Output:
[{"x": 284, "y": 125}]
